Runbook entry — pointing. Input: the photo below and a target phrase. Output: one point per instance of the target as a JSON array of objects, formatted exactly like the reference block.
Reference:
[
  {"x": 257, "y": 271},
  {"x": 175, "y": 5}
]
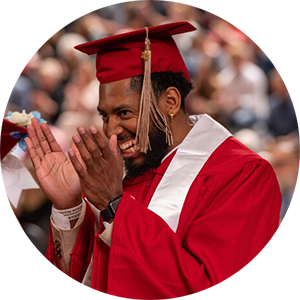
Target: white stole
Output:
[{"x": 168, "y": 198}]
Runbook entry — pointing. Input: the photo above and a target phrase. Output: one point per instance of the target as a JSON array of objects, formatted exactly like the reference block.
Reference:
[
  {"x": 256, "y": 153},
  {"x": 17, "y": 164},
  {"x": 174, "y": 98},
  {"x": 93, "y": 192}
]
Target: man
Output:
[{"x": 196, "y": 205}]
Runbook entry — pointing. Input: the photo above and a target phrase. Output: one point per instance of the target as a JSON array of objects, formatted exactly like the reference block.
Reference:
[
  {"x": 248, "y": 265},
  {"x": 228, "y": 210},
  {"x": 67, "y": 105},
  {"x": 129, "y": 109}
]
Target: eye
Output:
[
  {"x": 125, "y": 113},
  {"x": 103, "y": 115}
]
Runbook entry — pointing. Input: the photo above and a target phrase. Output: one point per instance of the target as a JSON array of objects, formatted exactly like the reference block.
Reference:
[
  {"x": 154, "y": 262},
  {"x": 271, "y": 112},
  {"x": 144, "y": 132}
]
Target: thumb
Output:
[{"x": 113, "y": 145}]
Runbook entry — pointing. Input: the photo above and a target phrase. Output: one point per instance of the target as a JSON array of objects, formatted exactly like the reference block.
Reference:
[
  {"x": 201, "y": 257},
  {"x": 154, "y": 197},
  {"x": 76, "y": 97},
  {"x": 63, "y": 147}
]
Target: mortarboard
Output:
[
  {"x": 11, "y": 134},
  {"x": 141, "y": 52}
]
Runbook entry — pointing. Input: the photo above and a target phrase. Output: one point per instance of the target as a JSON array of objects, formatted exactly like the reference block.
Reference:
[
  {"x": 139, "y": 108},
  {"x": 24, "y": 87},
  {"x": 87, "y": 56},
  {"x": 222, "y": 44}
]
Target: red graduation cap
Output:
[
  {"x": 139, "y": 52},
  {"x": 11, "y": 134},
  {"x": 119, "y": 56}
]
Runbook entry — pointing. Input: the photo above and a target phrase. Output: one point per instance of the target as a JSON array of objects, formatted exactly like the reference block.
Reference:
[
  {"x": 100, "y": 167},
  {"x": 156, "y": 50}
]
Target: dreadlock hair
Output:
[{"x": 163, "y": 80}]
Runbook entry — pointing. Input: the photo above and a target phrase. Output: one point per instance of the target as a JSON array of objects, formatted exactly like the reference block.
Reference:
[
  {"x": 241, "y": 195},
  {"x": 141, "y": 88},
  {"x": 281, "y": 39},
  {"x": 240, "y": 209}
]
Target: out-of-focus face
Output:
[{"x": 119, "y": 108}]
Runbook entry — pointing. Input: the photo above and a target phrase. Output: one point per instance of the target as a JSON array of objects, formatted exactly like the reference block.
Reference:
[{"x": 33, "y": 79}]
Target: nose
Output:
[{"x": 111, "y": 127}]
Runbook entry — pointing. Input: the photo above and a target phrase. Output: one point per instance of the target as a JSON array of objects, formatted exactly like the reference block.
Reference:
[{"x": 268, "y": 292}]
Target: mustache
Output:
[{"x": 125, "y": 137}]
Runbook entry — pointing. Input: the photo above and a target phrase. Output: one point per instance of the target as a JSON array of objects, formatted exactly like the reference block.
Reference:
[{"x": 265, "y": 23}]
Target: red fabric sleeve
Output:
[{"x": 235, "y": 215}]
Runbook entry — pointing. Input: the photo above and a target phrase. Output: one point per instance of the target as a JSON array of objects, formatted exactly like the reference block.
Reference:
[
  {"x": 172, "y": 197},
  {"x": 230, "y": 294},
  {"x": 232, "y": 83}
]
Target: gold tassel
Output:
[{"x": 149, "y": 107}]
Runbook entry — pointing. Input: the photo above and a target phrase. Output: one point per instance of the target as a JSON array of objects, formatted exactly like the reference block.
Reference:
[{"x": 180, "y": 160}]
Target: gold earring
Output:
[{"x": 172, "y": 118}]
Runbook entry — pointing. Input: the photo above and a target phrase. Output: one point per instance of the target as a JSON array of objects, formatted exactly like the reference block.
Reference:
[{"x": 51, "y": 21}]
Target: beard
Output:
[{"x": 153, "y": 157}]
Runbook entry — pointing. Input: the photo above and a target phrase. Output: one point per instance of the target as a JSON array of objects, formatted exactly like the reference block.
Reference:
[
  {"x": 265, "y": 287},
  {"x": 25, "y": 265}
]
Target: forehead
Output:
[{"x": 117, "y": 93}]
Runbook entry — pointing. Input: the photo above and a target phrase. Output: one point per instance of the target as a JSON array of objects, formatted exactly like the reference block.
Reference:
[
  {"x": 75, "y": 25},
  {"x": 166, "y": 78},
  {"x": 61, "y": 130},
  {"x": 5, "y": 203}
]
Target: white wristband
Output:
[{"x": 71, "y": 213}]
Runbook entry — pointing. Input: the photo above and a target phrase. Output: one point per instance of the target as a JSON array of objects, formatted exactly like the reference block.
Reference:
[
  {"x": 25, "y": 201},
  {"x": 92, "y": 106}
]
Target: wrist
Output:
[
  {"x": 71, "y": 213},
  {"x": 68, "y": 218},
  {"x": 109, "y": 212},
  {"x": 77, "y": 201}
]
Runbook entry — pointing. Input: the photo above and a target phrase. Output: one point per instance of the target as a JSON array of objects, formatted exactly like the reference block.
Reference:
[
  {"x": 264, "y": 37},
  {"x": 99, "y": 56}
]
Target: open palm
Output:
[{"x": 57, "y": 176}]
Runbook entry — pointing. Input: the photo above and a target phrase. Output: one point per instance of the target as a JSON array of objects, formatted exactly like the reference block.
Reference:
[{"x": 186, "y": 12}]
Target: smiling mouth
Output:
[{"x": 129, "y": 147}]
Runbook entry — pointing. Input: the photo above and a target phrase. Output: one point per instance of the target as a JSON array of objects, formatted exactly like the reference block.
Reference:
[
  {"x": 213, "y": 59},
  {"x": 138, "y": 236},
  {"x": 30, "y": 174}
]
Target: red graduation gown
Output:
[{"x": 230, "y": 213}]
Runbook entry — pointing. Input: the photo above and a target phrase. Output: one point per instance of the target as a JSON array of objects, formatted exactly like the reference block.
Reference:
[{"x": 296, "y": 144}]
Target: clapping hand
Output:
[
  {"x": 56, "y": 174},
  {"x": 101, "y": 173}
]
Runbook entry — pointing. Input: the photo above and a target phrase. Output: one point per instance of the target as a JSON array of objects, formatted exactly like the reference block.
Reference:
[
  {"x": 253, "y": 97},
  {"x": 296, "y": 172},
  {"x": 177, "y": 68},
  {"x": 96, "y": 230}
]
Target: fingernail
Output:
[
  {"x": 81, "y": 130},
  {"x": 71, "y": 153},
  {"x": 76, "y": 138},
  {"x": 93, "y": 130}
]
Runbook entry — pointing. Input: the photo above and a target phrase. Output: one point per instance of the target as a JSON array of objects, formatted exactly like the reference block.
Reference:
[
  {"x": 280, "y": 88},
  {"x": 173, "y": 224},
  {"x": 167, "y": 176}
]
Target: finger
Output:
[
  {"x": 113, "y": 145},
  {"x": 84, "y": 153},
  {"x": 35, "y": 141},
  {"x": 81, "y": 171},
  {"x": 74, "y": 148},
  {"x": 40, "y": 135},
  {"x": 101, "y": 142},
  {"x": 90, "y": 144},
  {"x": 32, "y": 153},
  {"x": 50, "y": 138}
]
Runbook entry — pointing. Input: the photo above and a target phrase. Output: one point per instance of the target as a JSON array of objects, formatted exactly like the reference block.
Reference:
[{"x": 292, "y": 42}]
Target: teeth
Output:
[
  {"x": 131, "y": 149},
  {"x": 128, "y": 144}
]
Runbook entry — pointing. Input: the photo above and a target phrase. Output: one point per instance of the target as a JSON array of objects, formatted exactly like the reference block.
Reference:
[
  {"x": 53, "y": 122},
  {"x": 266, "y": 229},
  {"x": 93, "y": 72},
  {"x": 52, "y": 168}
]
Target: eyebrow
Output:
[{"x": 118, "y": 108}]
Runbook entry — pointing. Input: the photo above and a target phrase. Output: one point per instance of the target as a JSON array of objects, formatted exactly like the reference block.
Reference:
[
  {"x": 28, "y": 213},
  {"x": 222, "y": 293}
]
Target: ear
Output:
[{"x": 170, "y": 101}]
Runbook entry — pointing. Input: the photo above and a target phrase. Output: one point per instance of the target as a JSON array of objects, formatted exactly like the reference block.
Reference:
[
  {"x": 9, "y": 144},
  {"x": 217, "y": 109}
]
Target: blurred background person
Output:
[
  {"x": 203, "y": 99},
  {"x": 243, "y": 88},
  {"x": 47, "y": 96},
  {"x": 80, "y": 100},
  {"x": 143, "y": 13},
  {"x": 282, "y": 120}
]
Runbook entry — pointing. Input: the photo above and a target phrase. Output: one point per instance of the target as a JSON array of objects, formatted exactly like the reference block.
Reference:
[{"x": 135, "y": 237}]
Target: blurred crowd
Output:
[{"x": 234, "y": 82}]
